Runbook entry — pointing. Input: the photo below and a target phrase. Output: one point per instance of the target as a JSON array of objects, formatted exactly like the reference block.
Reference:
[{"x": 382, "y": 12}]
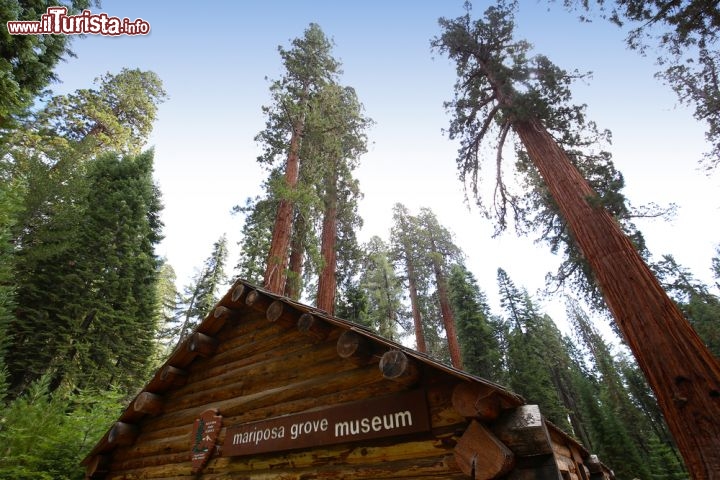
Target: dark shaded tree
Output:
[
  {"x": 531, "y": 353},
  {"x": 27, "y": 62},
  {"x": 477, "y": 330},
  {"x": 100, "y": 327}
]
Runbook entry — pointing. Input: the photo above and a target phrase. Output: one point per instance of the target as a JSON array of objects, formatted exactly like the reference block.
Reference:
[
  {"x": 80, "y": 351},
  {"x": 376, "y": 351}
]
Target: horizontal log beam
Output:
[
  {"x": 475, "y": 400},
  {"x": 480, "y": 455},
  {"x": 315, "y": 328},
  {"x": 201, "y": 344},
  {"x": 123, "y": 434},
  {"x": 398, "y": 367},
  {"x": 149, "y": 403}
]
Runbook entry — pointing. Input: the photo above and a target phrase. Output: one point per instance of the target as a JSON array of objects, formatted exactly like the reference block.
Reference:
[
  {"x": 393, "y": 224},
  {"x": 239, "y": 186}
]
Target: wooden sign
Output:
[
  {"x": 376, "y": 418},
  {"x": 205, "y": 432}
]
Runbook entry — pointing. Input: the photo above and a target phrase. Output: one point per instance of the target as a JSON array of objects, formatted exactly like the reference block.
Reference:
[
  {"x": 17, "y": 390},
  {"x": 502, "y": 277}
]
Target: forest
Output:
[{"x": 89, "y": 309}]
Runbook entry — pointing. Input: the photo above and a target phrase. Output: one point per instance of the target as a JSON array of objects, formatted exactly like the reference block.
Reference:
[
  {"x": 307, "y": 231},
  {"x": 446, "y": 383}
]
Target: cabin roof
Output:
[
  {"x": 235, "y": 301},
  {"x": 245, "y": 302}
]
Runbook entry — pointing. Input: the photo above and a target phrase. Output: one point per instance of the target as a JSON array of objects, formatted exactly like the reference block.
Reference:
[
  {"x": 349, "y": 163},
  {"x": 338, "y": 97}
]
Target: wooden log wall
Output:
[{"x": 257, "y": 357}]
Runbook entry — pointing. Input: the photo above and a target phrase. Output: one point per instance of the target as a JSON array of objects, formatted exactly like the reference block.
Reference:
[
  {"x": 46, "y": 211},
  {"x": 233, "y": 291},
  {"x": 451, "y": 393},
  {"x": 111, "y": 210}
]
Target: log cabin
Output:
[{"x": 269, "y": 388}]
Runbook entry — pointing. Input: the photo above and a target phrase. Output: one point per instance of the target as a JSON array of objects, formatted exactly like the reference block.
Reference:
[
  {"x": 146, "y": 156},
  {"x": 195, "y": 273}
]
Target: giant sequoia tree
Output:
[
  {"x": 308, "y": 67},
  {"x": 405, "y": 233},
  {"x": 340, "y": 132},
  {"x": 502, "y": 91}
]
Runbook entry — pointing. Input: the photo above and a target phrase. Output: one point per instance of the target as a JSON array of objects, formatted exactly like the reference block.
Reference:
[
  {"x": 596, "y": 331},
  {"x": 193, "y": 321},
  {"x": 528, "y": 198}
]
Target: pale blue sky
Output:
[{"x": 214, "y": 61}]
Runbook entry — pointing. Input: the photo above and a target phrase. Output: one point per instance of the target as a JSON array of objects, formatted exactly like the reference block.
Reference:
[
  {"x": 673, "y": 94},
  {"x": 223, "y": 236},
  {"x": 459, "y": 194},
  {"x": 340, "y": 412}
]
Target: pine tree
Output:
[
  {"x": 531, "y": 356},
  {"x": 168, "y": 299},
  {"x": 54, "y": 162},
  {"x": 202, "y": 293},
  {"x": 477, "y": 331},
  {"x": 499, "y": 89},
  {"x": 99, "y": 327},
  {"x": 627, "y": 420},
  {"x": 381, "y": 290}
]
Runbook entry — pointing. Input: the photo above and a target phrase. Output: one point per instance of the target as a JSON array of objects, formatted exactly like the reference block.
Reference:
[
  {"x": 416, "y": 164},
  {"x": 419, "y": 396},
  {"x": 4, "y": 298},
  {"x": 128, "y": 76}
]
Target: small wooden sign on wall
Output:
[{"x": 205, "y": 432}]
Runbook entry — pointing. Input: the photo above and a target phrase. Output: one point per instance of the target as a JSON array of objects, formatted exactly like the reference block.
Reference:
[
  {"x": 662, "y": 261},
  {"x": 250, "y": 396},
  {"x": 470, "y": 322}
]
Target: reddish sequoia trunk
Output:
[
  {"x": 447, "y": 314},
  {"x": 681, "y": 371},
  {"x": 417, "y": 317},
  {"x": 327, "y": 286},
  {"x": 292, "y": 284},
  {"x": 277, "y": 261}
]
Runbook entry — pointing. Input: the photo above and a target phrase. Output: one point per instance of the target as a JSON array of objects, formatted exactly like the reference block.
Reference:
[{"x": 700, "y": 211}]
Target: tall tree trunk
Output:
[
  {"x": 277, "y": 260},
  {"x": 297, "y": 251},
  {"x": 681, "y": 371},
  {"x": 414, "y": 303},
  {"x": 387, "y": 330},
  {"x": 327, "y": 285},
  {"x": 445, "y": 310}
]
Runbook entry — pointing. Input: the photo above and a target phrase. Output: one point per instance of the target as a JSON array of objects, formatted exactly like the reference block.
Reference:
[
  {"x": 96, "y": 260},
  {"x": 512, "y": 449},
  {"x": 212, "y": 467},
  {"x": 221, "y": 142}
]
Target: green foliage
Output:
[
  {"x": 256, "y": 235},
  {"x": 621, "y": 415},
  {"x": 200, "y": 296},
  {"x": 477, "y": 331},
  {"x": 697, "y": 303},
  {"x": 685, "y": 37},
  {"x": 10, "y": 203},
  {"x": 45, "y": 435},
  {"x": 534, "y": 352},
  {"x": 83, "y": 225},
  {"x": 99, "y": 246},
  {"x": 168, "y": 299},
  {"x": 118, "y": 115},
  {"x": 309, "y": 66},
  {"x": 27, "y": 61},
  {"x": 380, "y": 301}
]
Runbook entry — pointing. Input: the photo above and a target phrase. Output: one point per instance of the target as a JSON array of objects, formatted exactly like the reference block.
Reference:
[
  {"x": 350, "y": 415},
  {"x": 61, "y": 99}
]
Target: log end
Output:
[
  {"x": 398, "y": 367},
  {"x": 480, "y": 455}
]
